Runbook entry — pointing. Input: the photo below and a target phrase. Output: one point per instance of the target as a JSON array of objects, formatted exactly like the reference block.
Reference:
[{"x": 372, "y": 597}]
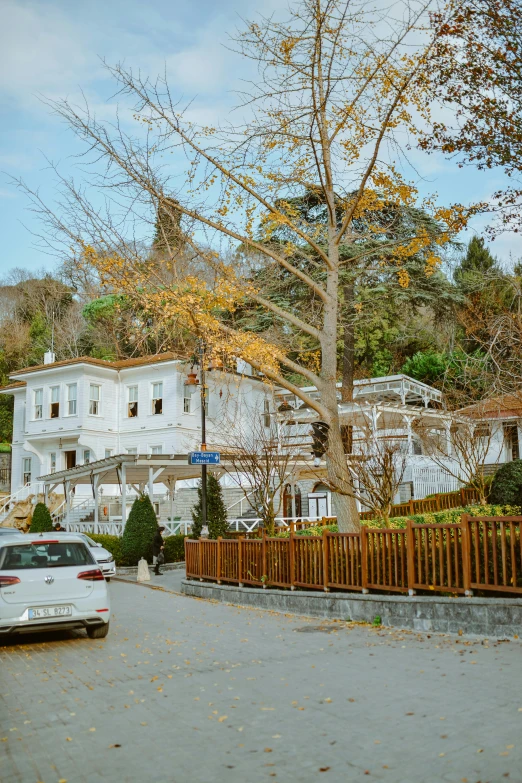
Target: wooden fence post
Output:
[
  {"x": 412, "y": 509},
  {"x": 200, "y": 560},
  {"x": 466, "y": 554},
  {"x": 437, "y": 501},
  {"x": 462, "y": 496},
  {"x": 240, "y": 561},
  {"x": 410, "y": 556},
  {"x": 263, "y": 559},
  {"x": 325, "y": 561},
  {"x": 291, "y": 555},
  {"x": 218, "y": 561},
  {"x": 364, "y": 558}
]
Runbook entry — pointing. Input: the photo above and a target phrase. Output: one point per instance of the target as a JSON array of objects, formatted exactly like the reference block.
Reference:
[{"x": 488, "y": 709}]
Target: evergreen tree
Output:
[
  {"x": 41, "y": 521},
  {"x": 476, "y": 264},
  {"x": 139, "y": 531},
  {"x": 216, "y": 511}
]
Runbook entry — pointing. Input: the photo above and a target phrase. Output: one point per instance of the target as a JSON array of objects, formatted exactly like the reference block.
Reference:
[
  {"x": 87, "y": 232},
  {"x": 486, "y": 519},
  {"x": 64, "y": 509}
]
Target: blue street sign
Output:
[{"x": 204, "y": 458}]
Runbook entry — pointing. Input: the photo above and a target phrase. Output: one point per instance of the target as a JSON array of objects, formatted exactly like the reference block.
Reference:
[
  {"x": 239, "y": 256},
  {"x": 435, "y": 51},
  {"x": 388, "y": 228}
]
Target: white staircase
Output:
[{"x": 19, "y": 496}]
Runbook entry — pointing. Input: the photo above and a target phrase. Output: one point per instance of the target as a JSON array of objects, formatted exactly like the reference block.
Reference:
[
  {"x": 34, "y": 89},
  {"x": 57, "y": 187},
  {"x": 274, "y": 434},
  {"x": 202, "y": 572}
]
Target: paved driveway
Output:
[{"x": 189, "y": 691}]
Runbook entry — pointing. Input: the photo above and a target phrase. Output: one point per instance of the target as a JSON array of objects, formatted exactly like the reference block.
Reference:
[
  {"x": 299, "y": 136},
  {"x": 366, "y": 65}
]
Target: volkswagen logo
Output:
[{"x": 49, "y": 580}]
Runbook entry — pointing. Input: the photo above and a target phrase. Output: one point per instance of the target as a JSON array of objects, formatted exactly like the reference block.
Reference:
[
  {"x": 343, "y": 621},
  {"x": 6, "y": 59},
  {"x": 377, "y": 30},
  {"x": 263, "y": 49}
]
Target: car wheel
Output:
[
  {"x": 107, "y": 579},
  {"x": 99, "y": 632}
]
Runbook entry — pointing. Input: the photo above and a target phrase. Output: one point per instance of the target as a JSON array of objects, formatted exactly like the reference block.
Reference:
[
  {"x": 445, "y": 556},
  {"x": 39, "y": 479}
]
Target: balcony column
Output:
[
  {"x": 95, "y": 481},
  {"x": 123, "y": 496}
]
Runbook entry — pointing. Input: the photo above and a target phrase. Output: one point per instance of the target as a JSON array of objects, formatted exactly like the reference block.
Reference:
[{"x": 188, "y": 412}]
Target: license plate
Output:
[{"x": 43, "y": 612}]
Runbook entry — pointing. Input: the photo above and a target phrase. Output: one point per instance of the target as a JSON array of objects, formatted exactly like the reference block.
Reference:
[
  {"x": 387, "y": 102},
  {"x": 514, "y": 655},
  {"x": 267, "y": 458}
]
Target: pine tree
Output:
[
  {"x": 216, "y": 511},
  {"x": 139, "y": 531},
  {"x": 477, "y": 263},
  {"x": 41, "y": 521}
]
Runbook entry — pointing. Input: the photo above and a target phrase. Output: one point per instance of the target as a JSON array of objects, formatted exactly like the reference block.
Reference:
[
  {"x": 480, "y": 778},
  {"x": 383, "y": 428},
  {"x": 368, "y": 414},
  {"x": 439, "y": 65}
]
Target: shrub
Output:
[
  {"x": 452, "y": 516},
  {"x": 111, "y": 543},
  {"x": 216, "y": 511},
  {"x": 507, "y": 484},
  {"x": 139, "y": 532},
  {"x": 41, "y": 521},
  {"x": 174, "y": 549}
]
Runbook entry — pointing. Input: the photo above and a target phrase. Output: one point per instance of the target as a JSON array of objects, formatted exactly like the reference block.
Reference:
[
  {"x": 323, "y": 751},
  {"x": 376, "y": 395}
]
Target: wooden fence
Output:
[
  {"x": 479, "y": 553},
  {"x": 441, "y": 502}
]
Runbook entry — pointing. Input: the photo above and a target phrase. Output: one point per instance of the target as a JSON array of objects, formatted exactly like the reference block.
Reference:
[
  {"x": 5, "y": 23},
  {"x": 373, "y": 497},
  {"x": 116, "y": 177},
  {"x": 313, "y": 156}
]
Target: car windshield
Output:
[
  {"x": 45, "y": 555},
  {"x": 88, "y": 540}
]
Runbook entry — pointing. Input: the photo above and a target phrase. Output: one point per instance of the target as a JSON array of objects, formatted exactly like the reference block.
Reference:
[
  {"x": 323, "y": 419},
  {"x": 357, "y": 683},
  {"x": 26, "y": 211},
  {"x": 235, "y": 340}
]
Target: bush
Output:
[
  {"x": 174, "y": 549},
  {"x": 41, "y": 521},
  {"x": 452, "y": 516},
  {"x": 507, "y": 484},
  {"x": 139, "y": 532},
  {"x": 111, "y": 543}
]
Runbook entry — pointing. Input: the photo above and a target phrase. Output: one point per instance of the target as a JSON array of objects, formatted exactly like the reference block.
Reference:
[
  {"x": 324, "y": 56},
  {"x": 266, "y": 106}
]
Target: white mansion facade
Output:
[{"x": 79, "y": 411}]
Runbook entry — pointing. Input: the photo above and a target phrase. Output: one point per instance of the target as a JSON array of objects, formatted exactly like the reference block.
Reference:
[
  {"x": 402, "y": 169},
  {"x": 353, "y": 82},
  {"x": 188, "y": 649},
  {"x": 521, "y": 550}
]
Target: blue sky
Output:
[{"x": 53, "y": 48}]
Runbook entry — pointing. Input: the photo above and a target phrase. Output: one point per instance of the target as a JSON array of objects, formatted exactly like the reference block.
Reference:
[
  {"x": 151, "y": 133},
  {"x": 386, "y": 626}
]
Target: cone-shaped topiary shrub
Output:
[
  {"x": 506, "y": 487},
  {"x": 216, "y": 511},
  {"x": 41, "y": 521},
  {"x": 139, "y": 532}
]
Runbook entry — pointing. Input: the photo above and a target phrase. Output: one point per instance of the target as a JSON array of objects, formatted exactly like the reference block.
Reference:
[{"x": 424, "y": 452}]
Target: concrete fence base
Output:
[{"x": 490, "y": 617}]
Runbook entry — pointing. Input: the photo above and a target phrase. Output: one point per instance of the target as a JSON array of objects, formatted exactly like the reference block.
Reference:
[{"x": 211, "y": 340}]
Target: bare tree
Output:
[
  {"x": 259, "y": 465},
  {"x": 464, "y": 448},
  {"x": 377, "y": 465},
  {"x": 329, "y": 113}
]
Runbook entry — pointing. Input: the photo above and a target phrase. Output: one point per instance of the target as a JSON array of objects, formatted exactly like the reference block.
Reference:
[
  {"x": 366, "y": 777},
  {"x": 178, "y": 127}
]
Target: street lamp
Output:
[{"x": 191, "y": 384}]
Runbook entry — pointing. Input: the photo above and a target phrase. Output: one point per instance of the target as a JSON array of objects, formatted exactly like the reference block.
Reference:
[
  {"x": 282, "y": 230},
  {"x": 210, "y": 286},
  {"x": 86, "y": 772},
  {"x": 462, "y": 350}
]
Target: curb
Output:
[
  {"x": 133, "y": 570},
  {"x": 487, "y": 617}
]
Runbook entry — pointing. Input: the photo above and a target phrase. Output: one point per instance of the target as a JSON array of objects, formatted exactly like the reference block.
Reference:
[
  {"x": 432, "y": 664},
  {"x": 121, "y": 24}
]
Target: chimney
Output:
[{"x": 49, "y": 357}]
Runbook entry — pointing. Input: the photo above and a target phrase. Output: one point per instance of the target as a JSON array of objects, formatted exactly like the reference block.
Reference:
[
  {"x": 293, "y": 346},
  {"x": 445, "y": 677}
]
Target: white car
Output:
[
  {"x": 102, "y": 556},
  {"x": 47, "y": 584}
]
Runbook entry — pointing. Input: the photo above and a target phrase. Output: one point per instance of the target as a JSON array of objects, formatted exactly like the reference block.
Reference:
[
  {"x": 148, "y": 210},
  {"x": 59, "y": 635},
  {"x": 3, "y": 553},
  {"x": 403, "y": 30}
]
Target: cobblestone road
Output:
[{"x": 184, "y": 690}]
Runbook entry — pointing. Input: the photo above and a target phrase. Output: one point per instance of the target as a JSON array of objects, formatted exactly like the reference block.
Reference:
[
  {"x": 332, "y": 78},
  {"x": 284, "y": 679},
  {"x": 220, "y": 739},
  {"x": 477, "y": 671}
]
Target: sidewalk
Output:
[{"x": 170, "y": 581}]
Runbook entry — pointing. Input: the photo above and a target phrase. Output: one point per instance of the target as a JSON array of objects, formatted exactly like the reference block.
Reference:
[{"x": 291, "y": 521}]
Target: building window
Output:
[
  {"x": 157, "y": 398},
  {"x": 187, "y": 402},
  {"x": 86, "y": 456},
  {"x": 132, "y": 450},
  {"x": 52, "y": 462},
  {"x": 156, "y": 449},
  {"x": 94, "y": 399},
  {"x": 108, "y": 453},
  {"x": 511, "y": 439},
  {"x": 55, "y": 402},
  {"x": 38, "y": 403},
  {"x": 266, "y": 413},
  {"x": 132, "y": 403},
  {"x": 26, "y": 470},
  {"x": 72, "y": 393}
]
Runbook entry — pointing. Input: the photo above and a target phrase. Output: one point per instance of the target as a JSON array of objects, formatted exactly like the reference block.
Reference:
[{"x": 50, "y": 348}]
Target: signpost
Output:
[{"x": 204, "y": 458}]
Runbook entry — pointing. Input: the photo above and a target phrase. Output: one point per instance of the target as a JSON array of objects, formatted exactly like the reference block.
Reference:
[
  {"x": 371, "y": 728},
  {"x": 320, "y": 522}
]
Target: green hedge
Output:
[
  {"x": 41, "y": 521},
  {"x": 111, "y": 543},
  {"x": 507, "y": 483},
  {"x": 437, "y": 518},
  {"x": 174, "y": 548}
]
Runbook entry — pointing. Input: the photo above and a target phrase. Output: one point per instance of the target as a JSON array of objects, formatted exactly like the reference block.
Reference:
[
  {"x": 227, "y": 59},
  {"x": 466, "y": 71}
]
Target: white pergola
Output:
[
  {"x": 141, "y": 471},
  {"x": 135, "y": 470}
]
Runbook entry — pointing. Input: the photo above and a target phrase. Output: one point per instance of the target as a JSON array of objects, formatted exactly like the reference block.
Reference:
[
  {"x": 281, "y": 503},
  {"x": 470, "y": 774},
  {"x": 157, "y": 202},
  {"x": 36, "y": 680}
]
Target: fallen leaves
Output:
[{"x": 222, "y": 718}]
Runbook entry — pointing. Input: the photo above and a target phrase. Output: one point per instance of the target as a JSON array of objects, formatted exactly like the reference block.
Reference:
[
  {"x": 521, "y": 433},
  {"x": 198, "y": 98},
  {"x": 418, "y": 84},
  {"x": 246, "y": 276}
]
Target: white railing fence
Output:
[
  {"x": 24, "y": 493},
  {"x": 181, "y": 527}
]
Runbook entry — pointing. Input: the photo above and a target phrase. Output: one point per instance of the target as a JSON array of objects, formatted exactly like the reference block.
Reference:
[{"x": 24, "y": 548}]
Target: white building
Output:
[{"x": 79, "y": 411}]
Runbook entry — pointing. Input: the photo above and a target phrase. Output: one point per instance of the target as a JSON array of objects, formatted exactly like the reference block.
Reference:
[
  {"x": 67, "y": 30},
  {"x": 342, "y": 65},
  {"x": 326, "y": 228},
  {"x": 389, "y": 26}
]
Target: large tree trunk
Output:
[
  {"x": 339, "y": 476},
  {"x": 348, "y": 360}
]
